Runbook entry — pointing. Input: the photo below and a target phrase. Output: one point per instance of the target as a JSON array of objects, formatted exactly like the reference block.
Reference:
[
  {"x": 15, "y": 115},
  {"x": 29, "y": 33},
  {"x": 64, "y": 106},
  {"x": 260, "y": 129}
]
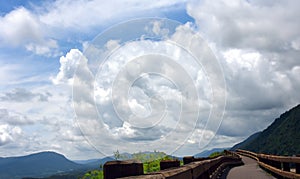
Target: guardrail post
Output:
[
  {"x": 117, "y": 169},
  {"x": 188, "y": 159},
  {"x": 276, "y": 164},
  {"x": 228, "y": 152},
  {"x": 267, "y": 161},
  {"x": 263, "y": 160},
  {"x": 204, "y": 175},
  {"x": 165, "y": 164},
  {"x": 297, "y": 166},
  {"x": 286, "y": 166}
]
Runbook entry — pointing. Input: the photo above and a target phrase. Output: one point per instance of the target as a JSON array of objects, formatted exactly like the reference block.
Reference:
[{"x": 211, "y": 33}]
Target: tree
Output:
[{"x": 117, "y": 155}]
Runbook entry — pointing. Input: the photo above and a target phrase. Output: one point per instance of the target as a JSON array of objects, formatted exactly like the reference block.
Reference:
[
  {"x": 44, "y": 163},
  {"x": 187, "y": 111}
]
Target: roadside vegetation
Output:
[{"x": 150, "y": 160}]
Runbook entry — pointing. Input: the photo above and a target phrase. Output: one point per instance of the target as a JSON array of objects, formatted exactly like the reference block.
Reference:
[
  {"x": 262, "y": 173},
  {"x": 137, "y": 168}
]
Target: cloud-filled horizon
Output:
[{"x": 63, "y": 65}]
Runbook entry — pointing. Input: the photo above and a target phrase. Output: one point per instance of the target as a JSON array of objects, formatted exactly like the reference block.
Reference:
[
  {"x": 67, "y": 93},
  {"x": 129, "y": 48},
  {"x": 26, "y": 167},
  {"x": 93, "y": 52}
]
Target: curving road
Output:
[{"x": 250, "y": 170}]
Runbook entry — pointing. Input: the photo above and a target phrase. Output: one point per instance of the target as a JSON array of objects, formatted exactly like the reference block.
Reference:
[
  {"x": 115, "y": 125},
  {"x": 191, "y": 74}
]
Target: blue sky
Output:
[{"x": 249, "y": 75}]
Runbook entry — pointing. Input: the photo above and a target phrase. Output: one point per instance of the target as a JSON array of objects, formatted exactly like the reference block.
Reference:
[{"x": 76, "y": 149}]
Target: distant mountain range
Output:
[
  {"x": 36, "y": 165},
  {"x": 206, "y": 153},
  {"x": 282, "y": 137},
  {"x": 52, "y": 165},
  {"x": 95, "y": 163}
]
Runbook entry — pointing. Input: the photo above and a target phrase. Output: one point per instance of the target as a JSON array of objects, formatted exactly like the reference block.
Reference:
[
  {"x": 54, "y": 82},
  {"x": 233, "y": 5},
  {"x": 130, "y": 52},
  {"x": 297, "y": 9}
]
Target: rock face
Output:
[
  {"x": 282, "y": 137},
  {"x": 116, "y": 169}
]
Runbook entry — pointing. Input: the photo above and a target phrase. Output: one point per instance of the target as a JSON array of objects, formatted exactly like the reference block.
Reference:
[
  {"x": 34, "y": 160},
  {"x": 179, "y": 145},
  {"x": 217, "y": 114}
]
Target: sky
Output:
[{"x": 85, "y": 78}]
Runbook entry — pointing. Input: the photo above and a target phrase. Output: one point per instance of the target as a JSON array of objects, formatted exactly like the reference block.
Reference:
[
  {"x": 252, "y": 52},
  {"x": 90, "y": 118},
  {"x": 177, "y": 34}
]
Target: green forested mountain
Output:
[
  {"x": 246, "y": 142},
  {"x": 36, "y": 165},
  {"x": 282, "y": 137}
]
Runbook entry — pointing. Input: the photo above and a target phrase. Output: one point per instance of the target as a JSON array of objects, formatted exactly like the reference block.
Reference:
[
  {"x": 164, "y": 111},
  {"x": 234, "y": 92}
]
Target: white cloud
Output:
[
  {"x": 112, "y": 44},
  {"x": 259, "y": 60},
  {"x": 39, "y": 29},
  {"x": 83, "y": 15},
  {"x": 44, "y": 48},
  {"x": 258, "y": 57},
  {"x": 23, "y": 95},
  {"x": 158, "y": 93},
  {"x": 157, "y": 29},
  {"x": 252, "y": 78},
  {"x": 8, "y": 73},
  {"x": 296, "y": 44},
  {"x": 68, "y": 65},
  {"x": 21, "y": 27},
  {"x": 8, "y": 133},
  {"x": 245, "y": 24},
  {"x": 39, "y": 38},
  {"x": 14, "y": 119},
  {"x": 43, "y": 125},
  {"x": 245, "y": 60}
]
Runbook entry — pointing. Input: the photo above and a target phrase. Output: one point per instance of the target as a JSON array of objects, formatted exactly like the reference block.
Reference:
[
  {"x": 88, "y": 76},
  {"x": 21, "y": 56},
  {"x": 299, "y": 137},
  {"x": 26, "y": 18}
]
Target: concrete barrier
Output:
[
  {"x": 203, "y": 169},
  {"x": 165, "y": 164},
  {"x": 117, "y": 169},
  {"x": 188, "y": 159}
]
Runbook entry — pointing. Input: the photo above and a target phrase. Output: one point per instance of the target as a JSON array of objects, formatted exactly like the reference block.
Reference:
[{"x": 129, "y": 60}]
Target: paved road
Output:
[{"x": 250, "y": 170}]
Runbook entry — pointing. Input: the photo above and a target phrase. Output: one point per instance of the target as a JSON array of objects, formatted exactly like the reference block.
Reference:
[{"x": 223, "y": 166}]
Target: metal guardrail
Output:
[
  {"x": 247, "y": 153},
  {"x": 278, "y": 165}
]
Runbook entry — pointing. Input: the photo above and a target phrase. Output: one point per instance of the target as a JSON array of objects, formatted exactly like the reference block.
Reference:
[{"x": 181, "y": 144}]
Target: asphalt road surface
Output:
[{"x": 250, "y": 170}]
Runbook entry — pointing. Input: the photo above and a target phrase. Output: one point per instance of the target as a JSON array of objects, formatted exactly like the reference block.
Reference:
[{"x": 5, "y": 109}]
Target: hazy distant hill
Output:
[
  {"x": 282, "y": 137},
  {"x": 95, "y": 163},
  {"x": 206, "y": 153},
  {"x": 53, "y": 165},
  {"x": 36, "y": 165}
]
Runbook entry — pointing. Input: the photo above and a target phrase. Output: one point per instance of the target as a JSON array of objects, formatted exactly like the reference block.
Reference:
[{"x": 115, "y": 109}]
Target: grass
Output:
[{"x": 94, "y": 174}]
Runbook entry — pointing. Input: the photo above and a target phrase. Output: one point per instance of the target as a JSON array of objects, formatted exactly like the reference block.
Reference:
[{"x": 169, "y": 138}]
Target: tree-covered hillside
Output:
[
  {"x": 282, "y": 137},
  {"x": 36, "y": 165}
]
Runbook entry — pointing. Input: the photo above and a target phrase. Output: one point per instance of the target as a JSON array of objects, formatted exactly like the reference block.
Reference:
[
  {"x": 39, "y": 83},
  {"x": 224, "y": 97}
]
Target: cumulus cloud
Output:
[
  {"x": 23, "y": 95},
  {"x": 68, "y": 65},
  {"x": 84, "y": 15},
  {"x": 14, "y": 119},
  {"x": 259, "y": 61},
  {"x": 21, "y": 27},
  {"x": 39, "y": 128},
  {"x": 258, "y": 57},
  {"x": 45, "y": 48},
  {"x": 251, "y": 70},
  {"x": 142, "y": 97},
  {"x": 248, "y": 24},
  {"x": 8, "y": 133},
  {"x": 39, "y": 29}
]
